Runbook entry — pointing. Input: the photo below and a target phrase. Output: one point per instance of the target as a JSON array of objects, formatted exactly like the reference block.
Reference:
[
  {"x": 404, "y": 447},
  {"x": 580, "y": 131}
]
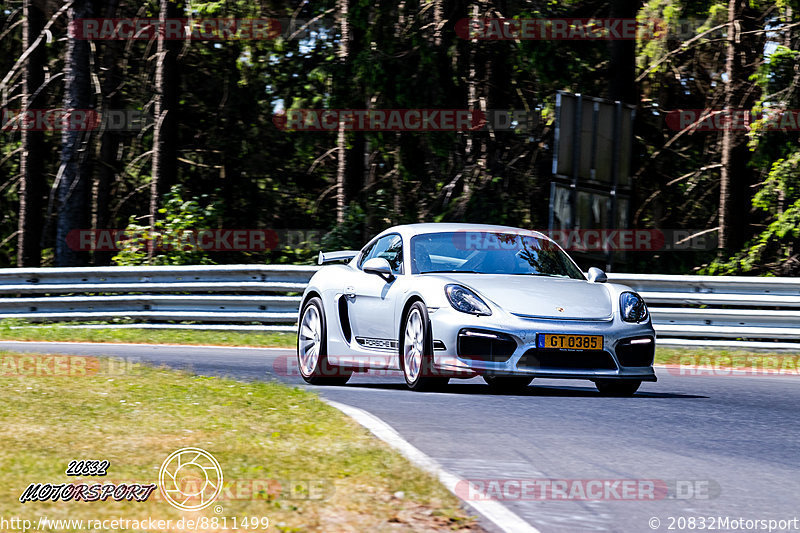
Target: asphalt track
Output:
[{"x": 720, "y": 446}]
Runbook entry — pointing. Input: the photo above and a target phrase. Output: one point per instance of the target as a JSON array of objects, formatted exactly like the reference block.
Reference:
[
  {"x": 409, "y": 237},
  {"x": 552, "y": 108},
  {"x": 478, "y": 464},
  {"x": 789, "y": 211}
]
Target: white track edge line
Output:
[
  {"x": 143, "y": 344},
  {"x": 494, "y": 511}
]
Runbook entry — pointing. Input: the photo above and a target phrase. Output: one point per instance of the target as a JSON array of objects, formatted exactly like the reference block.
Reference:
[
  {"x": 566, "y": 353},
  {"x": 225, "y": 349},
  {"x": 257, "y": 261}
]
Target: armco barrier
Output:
[
  {"x": 250, "y": 297},
  {"x": 746, "y": 312},
  {"x": 721, "y": 311}
]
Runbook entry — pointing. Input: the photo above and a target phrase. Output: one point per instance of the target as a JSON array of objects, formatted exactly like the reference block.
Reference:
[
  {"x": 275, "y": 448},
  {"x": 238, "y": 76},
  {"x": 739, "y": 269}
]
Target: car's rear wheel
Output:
[
  {"x": 312, "y": 348},
  {"x": 510, "y": 384},
  {"x": 416, "y": 351},
  {"x": 608, "y": 387}
]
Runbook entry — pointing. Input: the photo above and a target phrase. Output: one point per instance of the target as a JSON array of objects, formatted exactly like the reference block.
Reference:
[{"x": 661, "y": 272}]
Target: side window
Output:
[
  {"x": 366, "y": 253},
  {"x": 390, "y": 248}
]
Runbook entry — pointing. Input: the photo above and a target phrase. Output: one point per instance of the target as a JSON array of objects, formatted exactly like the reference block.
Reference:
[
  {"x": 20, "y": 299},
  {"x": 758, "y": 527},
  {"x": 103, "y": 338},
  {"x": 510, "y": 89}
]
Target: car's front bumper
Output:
[{"x": 613, "y": 362}]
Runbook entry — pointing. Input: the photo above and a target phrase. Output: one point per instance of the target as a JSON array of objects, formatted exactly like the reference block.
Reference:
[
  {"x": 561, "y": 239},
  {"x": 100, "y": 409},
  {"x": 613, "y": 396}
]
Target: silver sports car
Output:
[{"x": 441, "y": 301}]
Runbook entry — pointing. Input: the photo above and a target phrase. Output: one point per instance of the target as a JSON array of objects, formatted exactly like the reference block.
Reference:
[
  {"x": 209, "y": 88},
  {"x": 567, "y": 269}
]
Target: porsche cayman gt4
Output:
[{"x": 442, "y": 301}]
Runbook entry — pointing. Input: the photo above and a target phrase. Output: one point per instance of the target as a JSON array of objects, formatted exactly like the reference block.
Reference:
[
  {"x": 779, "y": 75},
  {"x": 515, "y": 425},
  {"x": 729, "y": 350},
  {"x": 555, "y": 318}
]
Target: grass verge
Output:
[
  {"x": 20, "y": 331},
  {"x": 25, "y": 332},
  {"x": 721, "y": 357},
  {"x": 285, "y": 454}
]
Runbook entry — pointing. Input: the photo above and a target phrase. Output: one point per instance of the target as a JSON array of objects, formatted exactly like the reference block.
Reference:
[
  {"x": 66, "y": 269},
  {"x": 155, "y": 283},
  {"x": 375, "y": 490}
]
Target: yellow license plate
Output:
[{"x": 570, "y": 342}]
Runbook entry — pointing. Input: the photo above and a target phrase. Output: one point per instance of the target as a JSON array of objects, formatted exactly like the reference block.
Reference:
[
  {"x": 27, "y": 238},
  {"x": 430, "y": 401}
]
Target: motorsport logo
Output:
[
  {"x": 84, "y": 491},
  {"x": 190, "y": 479}
]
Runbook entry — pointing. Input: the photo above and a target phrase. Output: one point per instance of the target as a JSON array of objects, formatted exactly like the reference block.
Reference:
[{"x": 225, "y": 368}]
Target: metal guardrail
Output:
[
  {"x": 211, "y": 278},
  {"x": 746, "y": 312},
  {"x": 247, "y": 297},
  {"x": 734, "y": 311}
]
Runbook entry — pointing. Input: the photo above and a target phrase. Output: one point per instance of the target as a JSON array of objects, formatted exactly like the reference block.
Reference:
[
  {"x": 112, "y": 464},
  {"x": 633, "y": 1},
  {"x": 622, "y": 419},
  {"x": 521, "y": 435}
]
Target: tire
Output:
[
  {"x": 312, "y": 348},
  {"x": 416, "y": 351},
  {"x": 507, "y": 384},
  {"x": 610, "y": 387}
]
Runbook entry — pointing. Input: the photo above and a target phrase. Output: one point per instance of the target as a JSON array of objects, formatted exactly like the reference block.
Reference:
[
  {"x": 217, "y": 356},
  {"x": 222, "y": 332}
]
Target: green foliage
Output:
[
  {"x": 172, "y": 239},
  {"x": 348, "y": 234},
  {"x": 780, "y": 186},
  {"x": 775, "y": 250},
  {"x": 398, "y": 59},
  {"x": 777, "y": 74}
]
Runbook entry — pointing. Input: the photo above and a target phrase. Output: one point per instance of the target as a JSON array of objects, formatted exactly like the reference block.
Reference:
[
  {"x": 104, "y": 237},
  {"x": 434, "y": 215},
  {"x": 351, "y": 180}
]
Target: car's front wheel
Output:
[
  {"x": 508, "y": 384},
  {"x": 312, "y": 348},
  {"x": 610, "y": 387},
  {"x": 416, "y": 353}
]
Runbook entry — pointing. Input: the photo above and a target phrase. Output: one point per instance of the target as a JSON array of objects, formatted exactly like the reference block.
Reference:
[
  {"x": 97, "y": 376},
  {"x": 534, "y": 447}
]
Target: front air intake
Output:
[
  {"x": 546, "y": 359},
  {"x": 637, "y": 351},
  {"x": 484, "y": 345}
]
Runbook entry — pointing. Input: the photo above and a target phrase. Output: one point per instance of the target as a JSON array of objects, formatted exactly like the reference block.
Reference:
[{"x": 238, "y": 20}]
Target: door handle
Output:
[{"x": 350, "y": 292}]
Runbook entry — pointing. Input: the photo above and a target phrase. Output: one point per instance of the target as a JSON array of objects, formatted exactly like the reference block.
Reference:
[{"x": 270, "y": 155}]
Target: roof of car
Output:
[{"x": 409, "y": 230}]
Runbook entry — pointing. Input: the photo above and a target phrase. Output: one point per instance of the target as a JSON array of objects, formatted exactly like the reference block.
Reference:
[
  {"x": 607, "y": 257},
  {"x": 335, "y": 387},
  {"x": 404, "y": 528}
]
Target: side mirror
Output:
[
  {"x": 379, "y": 266},
  {"x": 597, "y": 276}
]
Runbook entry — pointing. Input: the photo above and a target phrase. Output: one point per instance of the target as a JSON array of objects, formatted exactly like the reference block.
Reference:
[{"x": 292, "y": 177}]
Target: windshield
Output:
[{"x": 490, "y": 253}]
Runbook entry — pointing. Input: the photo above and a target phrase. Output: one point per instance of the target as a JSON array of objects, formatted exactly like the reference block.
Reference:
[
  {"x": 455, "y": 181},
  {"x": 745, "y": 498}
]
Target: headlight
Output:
[
  {"x": 464, "y": 300},
  {"x": 632, "y": 307}
]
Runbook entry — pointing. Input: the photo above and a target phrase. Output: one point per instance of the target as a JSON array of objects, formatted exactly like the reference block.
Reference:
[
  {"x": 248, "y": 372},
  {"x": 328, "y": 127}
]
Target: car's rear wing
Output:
[{"x": 334, "y": 257}]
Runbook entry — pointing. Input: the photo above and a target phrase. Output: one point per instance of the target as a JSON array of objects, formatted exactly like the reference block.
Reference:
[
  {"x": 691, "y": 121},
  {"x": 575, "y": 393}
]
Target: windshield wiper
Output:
[{"x": 539, "y": 274}]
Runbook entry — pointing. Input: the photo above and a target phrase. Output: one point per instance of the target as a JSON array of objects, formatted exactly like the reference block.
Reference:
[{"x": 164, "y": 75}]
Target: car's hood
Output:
[{"x": 540, "y": 296}]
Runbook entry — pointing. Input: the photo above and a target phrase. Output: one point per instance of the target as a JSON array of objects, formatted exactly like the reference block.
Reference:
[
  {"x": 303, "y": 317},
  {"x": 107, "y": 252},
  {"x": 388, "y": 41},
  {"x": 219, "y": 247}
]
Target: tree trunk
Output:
[
  {"x": 32, "y": 184},
  {"x": 341, "y": 174},
  {"x": 342, "y": 9},
  {"x": 109, "y": 140},
  {"x": 622, "y": 66},
  {"x": 350, "y": 171},
  {"x": 164, "y": 165},
  {"x": 741, "y": 60},
  {"x": 475, "y": 150},
  {"x": 74, "y": 174}
]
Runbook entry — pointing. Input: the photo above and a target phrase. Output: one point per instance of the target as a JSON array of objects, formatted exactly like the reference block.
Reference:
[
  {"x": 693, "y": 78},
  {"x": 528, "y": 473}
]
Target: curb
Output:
[{"x": 499, "y": 515}]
